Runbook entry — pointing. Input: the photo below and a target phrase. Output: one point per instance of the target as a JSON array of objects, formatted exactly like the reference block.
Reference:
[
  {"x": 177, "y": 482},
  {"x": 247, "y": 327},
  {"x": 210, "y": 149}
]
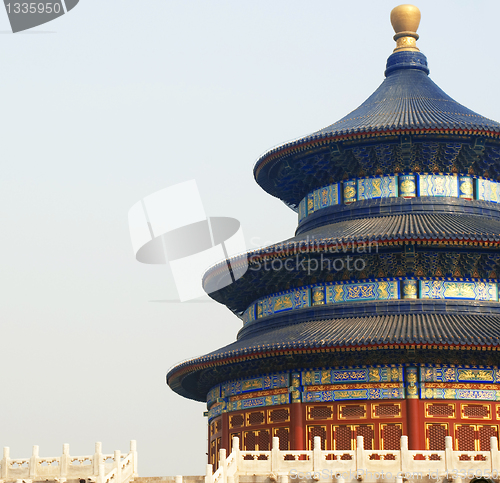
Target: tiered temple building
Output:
[{"x": 381, "y": 317}]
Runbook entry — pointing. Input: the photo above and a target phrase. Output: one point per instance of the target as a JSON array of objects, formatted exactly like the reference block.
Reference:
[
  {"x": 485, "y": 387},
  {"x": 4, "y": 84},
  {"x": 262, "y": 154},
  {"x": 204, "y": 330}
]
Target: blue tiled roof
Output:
[
  {"x": 408, "y": 99},
  {"x": 378, "y": 330}
]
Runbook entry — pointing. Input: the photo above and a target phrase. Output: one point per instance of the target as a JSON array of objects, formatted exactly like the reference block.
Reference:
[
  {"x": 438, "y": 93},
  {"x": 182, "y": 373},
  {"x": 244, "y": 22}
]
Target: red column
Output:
[
  {"x": 415, "y": 424},
  {"x": 297, "y": 417},
  {"x": 297, "y": 442},
  {"x": 414, "y": 413}
]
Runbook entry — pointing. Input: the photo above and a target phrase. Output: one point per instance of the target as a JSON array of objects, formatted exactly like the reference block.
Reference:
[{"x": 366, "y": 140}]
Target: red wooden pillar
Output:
[
  {"x": 297, "y": 442},
  {"x": 414, "y": 414},
  {"x": 297, "y": 417}
]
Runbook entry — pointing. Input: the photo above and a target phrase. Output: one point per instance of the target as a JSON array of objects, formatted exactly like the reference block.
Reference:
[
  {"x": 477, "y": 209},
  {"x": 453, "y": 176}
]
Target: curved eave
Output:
[
  {"x": 420, "y": 331},
  {"x": 429, "y": 229},
  {"x": 325, "y": 139}
]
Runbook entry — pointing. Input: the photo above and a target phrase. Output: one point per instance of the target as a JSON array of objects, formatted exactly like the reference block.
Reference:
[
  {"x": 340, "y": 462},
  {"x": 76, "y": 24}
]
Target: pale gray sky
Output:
[{"x": 121, "y": 98}]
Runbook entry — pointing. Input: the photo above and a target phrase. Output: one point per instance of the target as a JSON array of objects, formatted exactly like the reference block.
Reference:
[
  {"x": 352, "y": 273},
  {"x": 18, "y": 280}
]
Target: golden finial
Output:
[{"x": 405, "y": 20}]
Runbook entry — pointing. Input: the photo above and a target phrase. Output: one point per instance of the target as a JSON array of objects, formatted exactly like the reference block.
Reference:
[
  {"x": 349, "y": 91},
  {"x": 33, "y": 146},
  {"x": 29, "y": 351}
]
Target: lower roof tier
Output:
[{"x": 421, "y": 335}]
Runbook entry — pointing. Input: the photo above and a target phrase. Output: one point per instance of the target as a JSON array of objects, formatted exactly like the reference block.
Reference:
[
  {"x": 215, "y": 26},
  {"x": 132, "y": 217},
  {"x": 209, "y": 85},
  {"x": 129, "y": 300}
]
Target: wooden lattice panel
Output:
[
  {"x": 498, "y": 411},
  {"x": 476, "y": 411},
  {"x": 236, "y": 420},
  {"x": 312, "y": 432},
  {"x": 342, "y": 437},
  {"x": 435, "y": 436},
  {"x": 256, "y": 418},
  {"x": 352, "y": 411},
  {"x": 257, "y": 440},
  {"x": 281, "y": 415},
  {"x": 386, "y": 410},
  {"x": 390, "y": 436},
  {"x": 365, "y": 430},
  {"x": 465, "y": 437},
  {"x": 315, "y": 413},
  {"x": 484, "y": 433},
  {"x": 284, "y": 435},
  {"x": 440, "y": 410}
]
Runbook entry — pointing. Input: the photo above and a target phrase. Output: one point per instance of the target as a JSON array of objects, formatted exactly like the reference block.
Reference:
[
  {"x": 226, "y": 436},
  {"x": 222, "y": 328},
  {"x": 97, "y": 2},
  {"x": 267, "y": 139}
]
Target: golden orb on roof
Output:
[{"x": 405, "y": 20}]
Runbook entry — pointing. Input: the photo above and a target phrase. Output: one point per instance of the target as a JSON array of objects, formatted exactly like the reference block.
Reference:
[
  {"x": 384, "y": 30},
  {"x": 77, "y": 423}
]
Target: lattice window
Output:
[
  {"x": 284, "y": 435},
  {"x": 342, "y": 438},
  {"x": 279, "y": 415},
  {"x": 476, "y": 411},
  {"x": 236, "y": 421},
  {"x": 466, "y": 437},
  {"x": 312, "y": 432},
  {"x": 214, "y": 452},
  {"x": 386, "y": 410},
  {"x": 484, "y": 435},
  {"x": 435, "y": 436},
  {"x": 256, "y": 418},
  {"x": 250, "y": 440},
  {"x": 365, "y": 430},
  {"x": 437, "y": 410},
  {"x": 264, "y": 440},
  {"x": 391, "y": 436},
  {"x": 352, "y": 411},
  {"x": 498, "y": 411},
  {"x": 319, "y": 412},
  {"x": 257, "y": 440},
  {"x": 218, "y": 425}
]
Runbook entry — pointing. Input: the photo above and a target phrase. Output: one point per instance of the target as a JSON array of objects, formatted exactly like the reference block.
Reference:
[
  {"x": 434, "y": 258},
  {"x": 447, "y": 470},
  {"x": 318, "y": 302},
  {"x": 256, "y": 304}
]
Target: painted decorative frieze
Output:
[
  {"x": 347, "y": 392},
  {"x": 407, "y": 186},
  {"x": 341, "y": 376},
  {"x": 465, "y": 187},
  {"x": 361, "y": 291},
  {"x": 438, "y": 185},
  {"x": 440, "y": 289},
  {"x": 384, "y": 289},
  {"x": 487, "y": 190},
  {"x": 378, "y": 187},
  {"x": 271, "y": 381}
]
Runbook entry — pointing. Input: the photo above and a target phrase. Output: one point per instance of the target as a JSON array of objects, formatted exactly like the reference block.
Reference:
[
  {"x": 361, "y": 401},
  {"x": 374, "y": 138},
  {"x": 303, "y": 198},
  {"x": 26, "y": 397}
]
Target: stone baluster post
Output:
[
  {"x": 223, "y": 464},
  {"x": 275, "y": 455},
  {"x": 495, "y": 455},
  {"x": 178, "y": 479},
  {"x": 405, "y": 460},
  {"x": 360, "y": 454},
  {"x": 316, "y": 454},
  {"x": 5, "y": 462},
  {"x": 448, "y": 460},
  {"x": 133, "y": 451},
  {"x": 64, "y": 462},
  {"x": 97, "y": 458},
  {"x": 118, "y": 465},
  {"x": 101, "y": 474},
  {"x": 209, "y": 474},
  {"x": 34, "y": 463},
  {"x": 236, "y": 451}
]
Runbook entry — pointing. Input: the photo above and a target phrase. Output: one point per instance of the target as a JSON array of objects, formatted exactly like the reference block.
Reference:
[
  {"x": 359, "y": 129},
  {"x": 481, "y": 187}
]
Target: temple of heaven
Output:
[{"x": 381, "y": 316}]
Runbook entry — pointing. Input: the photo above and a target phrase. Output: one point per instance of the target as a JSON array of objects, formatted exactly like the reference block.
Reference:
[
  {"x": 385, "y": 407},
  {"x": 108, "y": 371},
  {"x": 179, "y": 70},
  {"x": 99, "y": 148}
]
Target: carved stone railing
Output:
[
  {"x": 96, "y": 468},
  {"x": 358, "y": 464}
]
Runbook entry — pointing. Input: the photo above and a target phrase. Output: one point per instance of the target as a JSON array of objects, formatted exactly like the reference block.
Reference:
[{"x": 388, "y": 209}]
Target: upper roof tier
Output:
[{"x": 408, "y": 109}]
